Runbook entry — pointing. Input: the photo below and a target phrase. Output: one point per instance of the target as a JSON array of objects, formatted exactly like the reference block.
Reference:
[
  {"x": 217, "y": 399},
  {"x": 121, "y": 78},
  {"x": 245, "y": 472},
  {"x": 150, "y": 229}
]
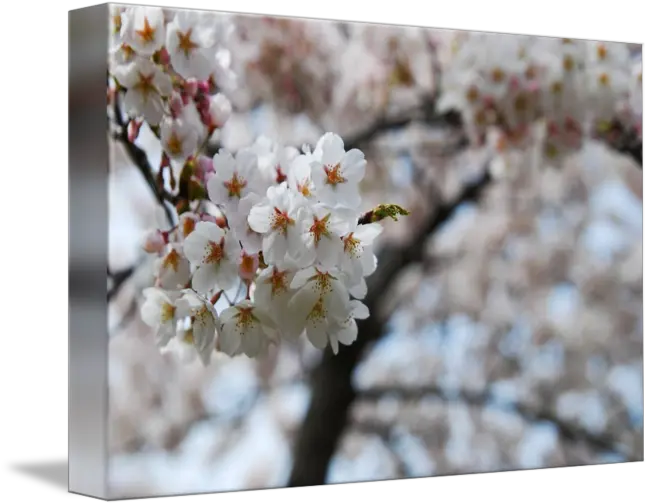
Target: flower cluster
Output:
[
  {"x": 509, "y": 83},
  {"x": 286, "y": 231},
  {"x": 167, "y": 65},
  {"x": 261, "y": 246}
]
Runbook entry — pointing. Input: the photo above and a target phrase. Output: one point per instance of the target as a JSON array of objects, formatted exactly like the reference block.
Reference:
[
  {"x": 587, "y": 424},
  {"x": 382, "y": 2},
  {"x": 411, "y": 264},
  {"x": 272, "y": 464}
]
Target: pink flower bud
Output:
[
  {"x": 248, "y": 265},
  {"x": 514, "y": 83},
  {"x": 154, "y": 242},
  {"x": 164, "y": 57},
  {"x": 204, "y": 166},
  {"x": 176, "y": 105},
  {"x": 190, "y": 87},
  {"x": 203, "y": 86}
]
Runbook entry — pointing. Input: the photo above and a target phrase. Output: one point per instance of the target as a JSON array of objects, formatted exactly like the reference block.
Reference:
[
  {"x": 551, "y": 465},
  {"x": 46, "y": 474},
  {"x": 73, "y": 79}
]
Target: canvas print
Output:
[{"x": 347, "y": 252}]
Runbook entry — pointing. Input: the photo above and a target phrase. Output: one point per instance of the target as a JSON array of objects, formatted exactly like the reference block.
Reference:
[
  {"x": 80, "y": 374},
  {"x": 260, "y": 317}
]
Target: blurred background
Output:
[{"x": 506, "y": 317}]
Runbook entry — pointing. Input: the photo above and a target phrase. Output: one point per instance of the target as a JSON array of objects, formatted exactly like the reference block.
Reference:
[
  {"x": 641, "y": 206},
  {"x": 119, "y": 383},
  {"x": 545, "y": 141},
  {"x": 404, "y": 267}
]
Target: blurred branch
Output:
[
  {"x": 566, "y": 430},
  {"x": 624, "y": 140},
  {"x": 118, "y": 279},
  {"x": 128, "y": 316},
  {"x": 331, "y": 381},
  {"x": 140, "y": 160},
  {"x": 424, "y": 112}
]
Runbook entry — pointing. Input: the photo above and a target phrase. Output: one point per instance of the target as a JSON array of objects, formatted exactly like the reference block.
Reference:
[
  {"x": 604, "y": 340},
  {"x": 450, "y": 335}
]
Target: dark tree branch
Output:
[
  {"x": 118, "y": 279},
  {"x": 140, "y": 160},
  {"x": 331, "y": 382},
  {"x": 567, "y": 430},
  {"x": 624, "y": 140}
]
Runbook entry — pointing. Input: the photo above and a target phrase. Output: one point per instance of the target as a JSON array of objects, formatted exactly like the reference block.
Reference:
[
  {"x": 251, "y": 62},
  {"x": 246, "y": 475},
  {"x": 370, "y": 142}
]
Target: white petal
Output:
[
  {"x": 218, "y": 193},
  {"x": 229, "y": 340},
  {"x": 274, "y": 247},
  {"x": 226, "y": 275},
  {"x": 302, "y": 276},
  {"x": 195, "y": 246},
  {"x": 367, "y": 233},
  {"x": 317, "y": 333},
  {"x": 260, "y": 218},
  {"x": 205, "y": 278},
  {"x": 329, "y": 251},
  {"x": 353, "y": 165},
  {"x": 347, "y": 333},
  {"x": 211, "y": 230},
  {"x": 359, "y": 310},
  {"x": 359, "y": 291},
  {"x": 224, "y": 164},
  {"x": 332, "y": 149}
]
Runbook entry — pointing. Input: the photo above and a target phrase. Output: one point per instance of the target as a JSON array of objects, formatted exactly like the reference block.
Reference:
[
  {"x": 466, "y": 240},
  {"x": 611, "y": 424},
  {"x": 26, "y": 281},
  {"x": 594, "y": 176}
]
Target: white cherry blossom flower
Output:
[
  {"x": 322, "y": 229},
  {"x": 122, "y": 54},
  {"x": 321, "y": 299},
  {"x": 278, "y": 219},
  {"x": 358, "y": 259},
  {"x": 214, "y": 252},
  {"x": 187, "y": 222},
  {"x": 238, "y": 221},
  {"x": 146, "y": 84},
  {"x": 190, "y": 41},
  {"x": 337, "y": 173},
  {"x": 273, "y": 293},
  {"x": 142, "y": 28},
  {"x": 273, "y": 159},
  {"x": 179, "y": 138},
  {"x": 299, "y": 175},
  {"x": 159, "y": 311},
  {"x": 246, "y": 328},
  {"x": 204, "y": 320},
  {"x": 234, "y": 178},
  {"x": 174, "y": 269},
  {"x": 346, "y": 331}
]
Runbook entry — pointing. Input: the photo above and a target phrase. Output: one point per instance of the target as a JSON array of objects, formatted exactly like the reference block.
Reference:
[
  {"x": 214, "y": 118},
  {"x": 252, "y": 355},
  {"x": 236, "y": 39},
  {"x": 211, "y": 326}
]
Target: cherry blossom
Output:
[
  {"x": 337, "y": 173},
  {"x": 159, "y": 311},
  {"x": 213, "y": 251},
  {"x": 246, "y": 329}
]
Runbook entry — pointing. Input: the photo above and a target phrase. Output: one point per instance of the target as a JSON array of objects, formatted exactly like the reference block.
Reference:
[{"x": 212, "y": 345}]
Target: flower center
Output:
[
  {"x": 277, "y": 282},
  {"x": 280, "y": 176},
  {"x": 188, "y": 226},
  {"x": 497, "y": 75},
  {"x": 174, "y": 144},
  {"x": 186, "y": 44},
  {"x": 334, "y": 174},
  {"x": 147, "y": 34},
  {"x": 602, "y": 52},
  {"x": 167, "y": 312},
  {"x": 248, "y": 264},
  {"x": 280, "y": 221},
  {"x": 472, "y": 94},
  {"x": 351, "y": 245},
  {"x": 235, "y": 185},
  {"x": 318, "y": 313},
  {"x": 319, "y": 228},
  {"x": 171, "y": 260},
  {"x": 304, "y": 188},
  {"x": 245, "y": 318},
  {"x": 568, "y": 63},
  {"x": 604, "y": 79},
  {"x": 145, "y": 85},
  {"x": 215, "y": 252}
]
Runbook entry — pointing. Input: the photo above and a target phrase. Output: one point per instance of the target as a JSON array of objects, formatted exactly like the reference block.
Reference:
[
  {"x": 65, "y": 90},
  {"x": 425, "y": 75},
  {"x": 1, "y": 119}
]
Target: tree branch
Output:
[
  {"x": 118, "y": 280},
  {"x": 331, "y": 381},
  {"x": 140, "y": 160},
  {"x": 624, "y": 140},
  {"x": 566, "y": 430}
]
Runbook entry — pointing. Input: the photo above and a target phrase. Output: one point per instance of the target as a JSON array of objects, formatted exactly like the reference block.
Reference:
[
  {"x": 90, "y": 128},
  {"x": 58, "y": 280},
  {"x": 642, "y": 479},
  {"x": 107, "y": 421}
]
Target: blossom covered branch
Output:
[{"x": 263, "y": 244}]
